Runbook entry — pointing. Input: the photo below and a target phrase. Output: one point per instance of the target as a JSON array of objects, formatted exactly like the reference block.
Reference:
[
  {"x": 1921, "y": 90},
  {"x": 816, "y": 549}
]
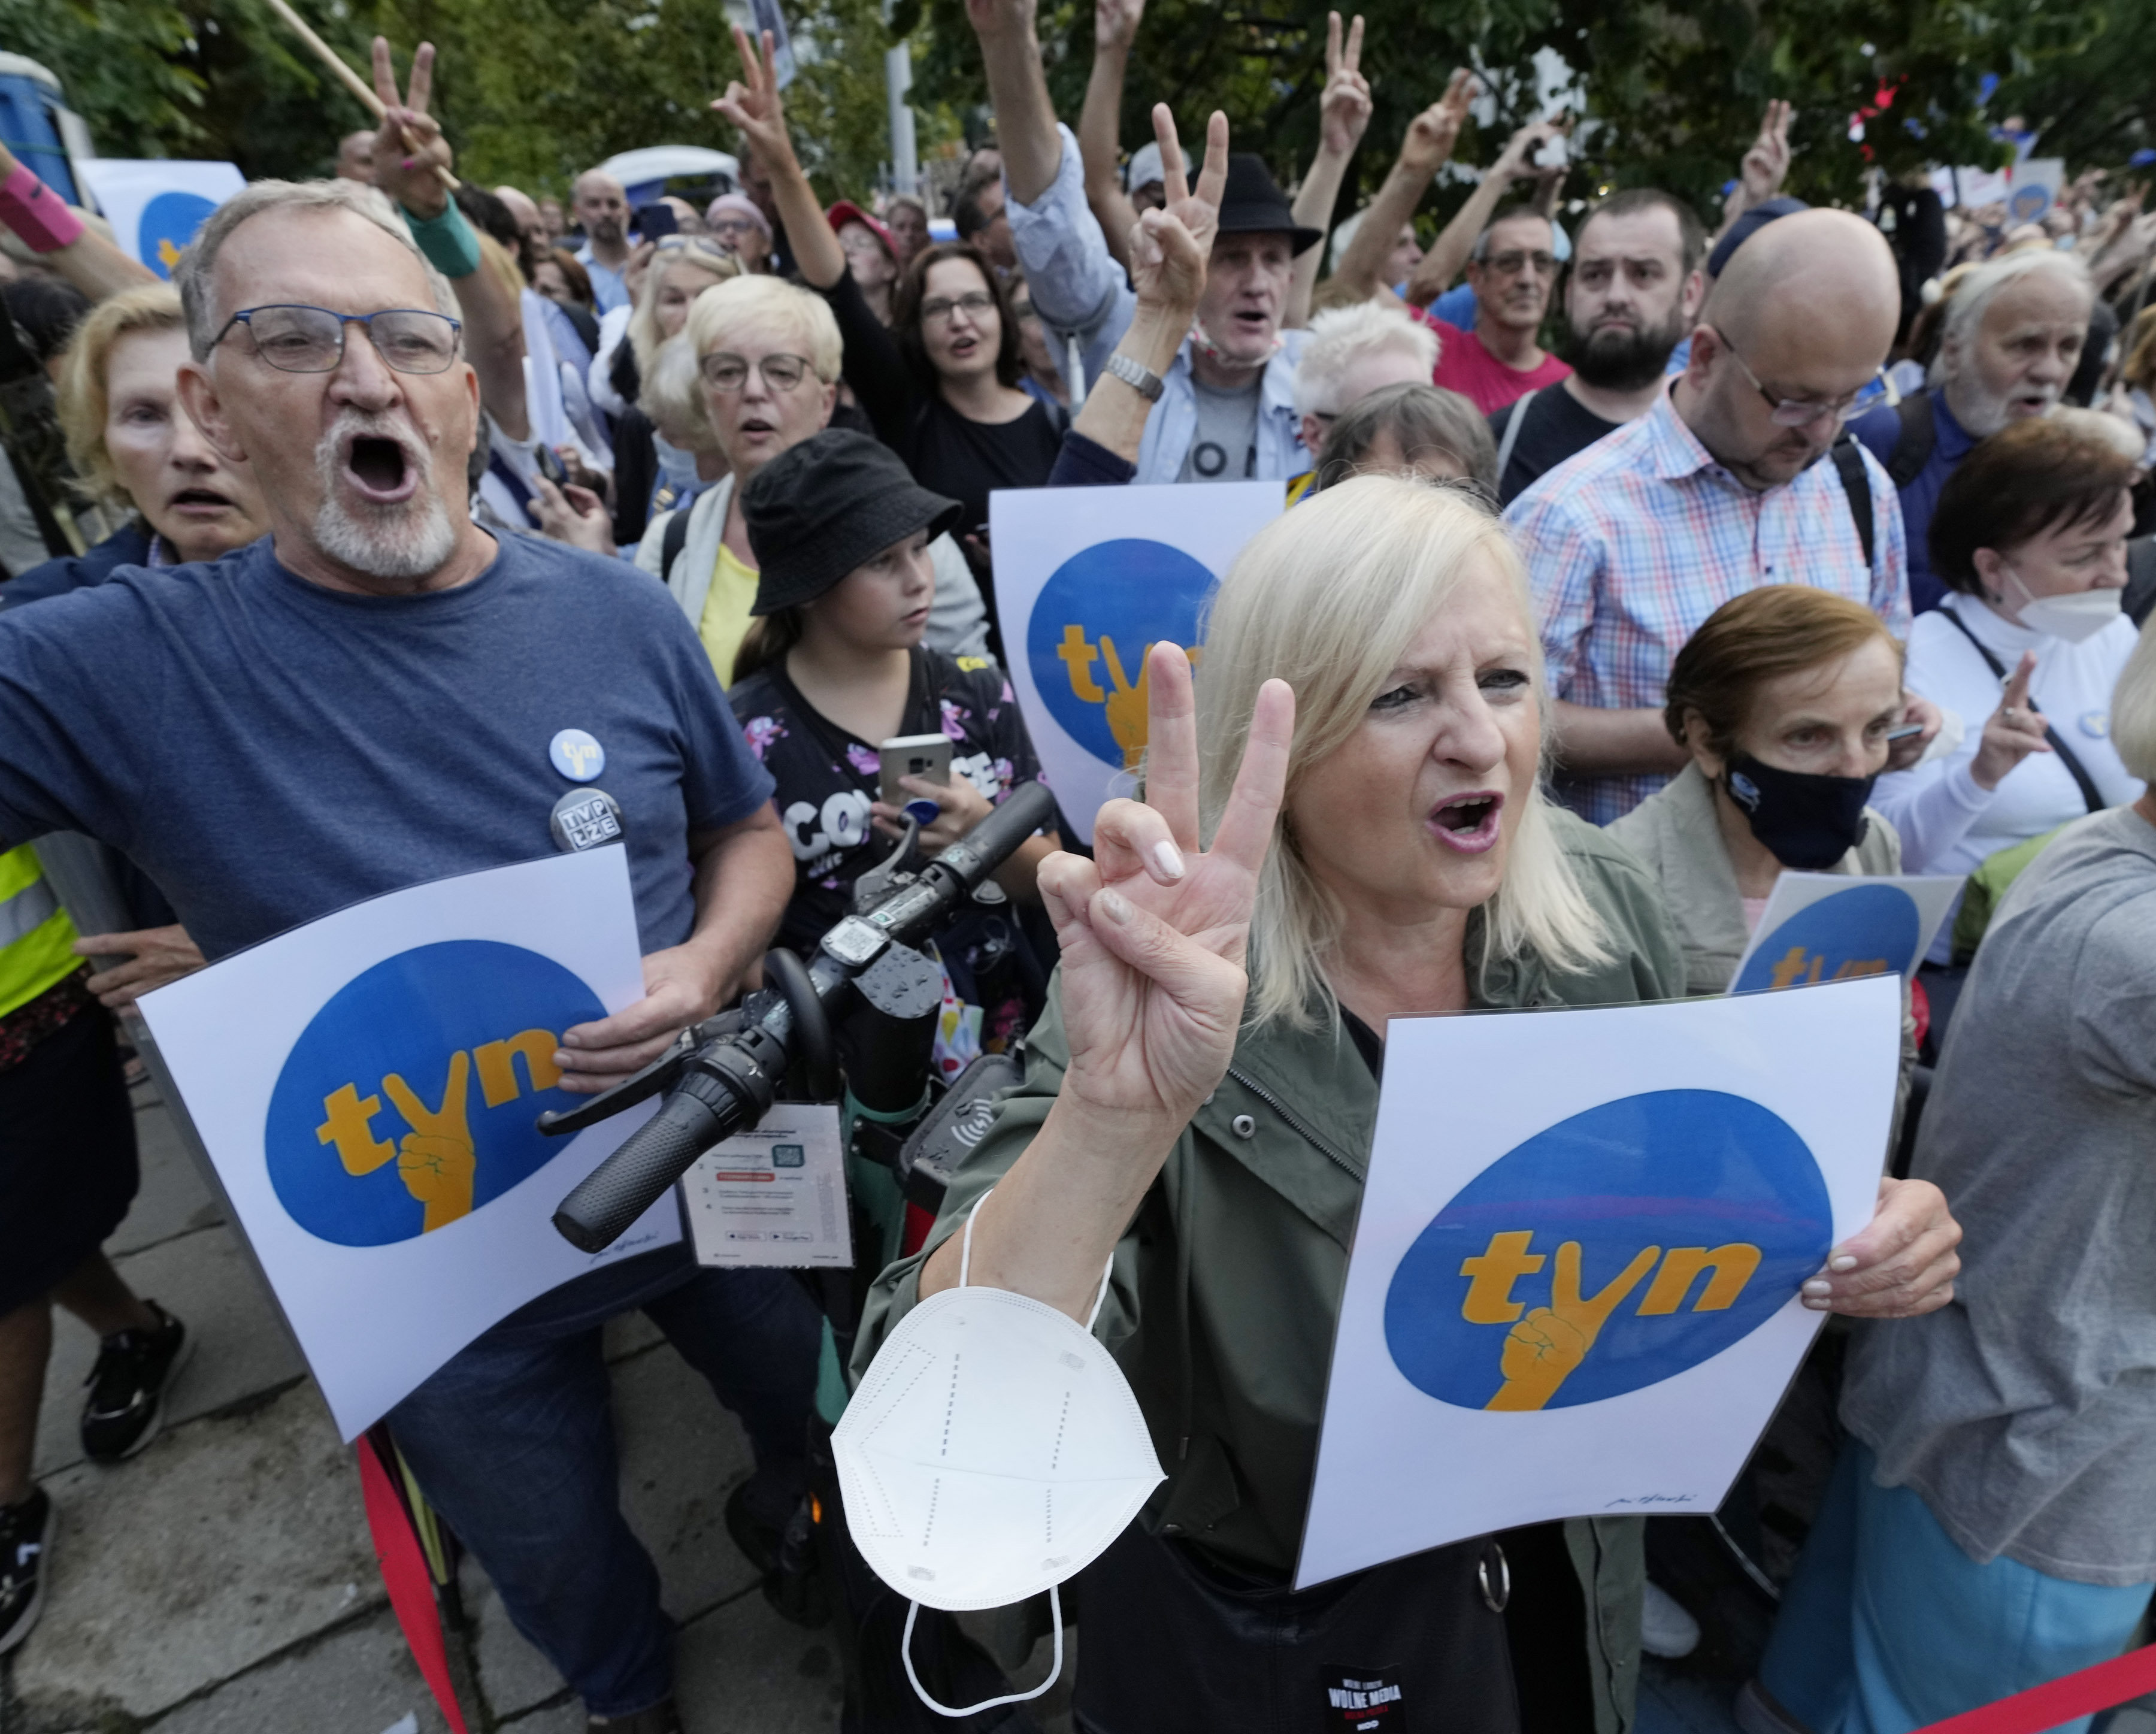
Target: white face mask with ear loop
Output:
[
  {"x": 993, "y": 1450},
  {"x": 2075, "y": 617}
]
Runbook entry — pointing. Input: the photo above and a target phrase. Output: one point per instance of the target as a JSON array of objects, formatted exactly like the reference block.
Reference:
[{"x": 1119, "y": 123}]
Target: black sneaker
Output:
[
  {"x": 658, "y": 1719},
  {"x": 135, "y": 1369},
  {"x": 26, "y": 1531}
]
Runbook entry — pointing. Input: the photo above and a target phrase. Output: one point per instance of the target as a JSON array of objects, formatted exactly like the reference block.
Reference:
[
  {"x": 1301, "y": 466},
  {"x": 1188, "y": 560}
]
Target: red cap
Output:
[{"x": 846, "y": 211}]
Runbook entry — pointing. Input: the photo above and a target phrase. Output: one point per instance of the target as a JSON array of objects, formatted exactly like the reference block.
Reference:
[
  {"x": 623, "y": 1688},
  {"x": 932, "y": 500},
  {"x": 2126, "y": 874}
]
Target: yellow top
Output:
[
  {"x": 36, "y": 937},
  {"x": 724, "y": 622}
]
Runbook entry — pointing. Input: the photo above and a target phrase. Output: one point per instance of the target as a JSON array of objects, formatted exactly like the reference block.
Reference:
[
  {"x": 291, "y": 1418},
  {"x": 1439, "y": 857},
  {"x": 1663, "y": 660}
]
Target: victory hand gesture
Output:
[
  {"x": 410, "y": 154},
  {"x": 1343, "y": 108},
  {"x": 435, "y": 1159},
  {"x": 1169, "y": 246},
  {"x": 1766, "y": 165},
  {"x": 1153, "y": 932},
  {"x": 1432, "y": 134},
  {"x": 753, "y": 105}
]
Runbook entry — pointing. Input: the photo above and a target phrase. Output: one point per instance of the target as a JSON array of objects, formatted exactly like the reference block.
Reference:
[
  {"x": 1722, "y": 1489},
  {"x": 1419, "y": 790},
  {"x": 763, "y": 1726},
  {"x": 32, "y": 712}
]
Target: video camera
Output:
[{"x": 722, "y": 1075}]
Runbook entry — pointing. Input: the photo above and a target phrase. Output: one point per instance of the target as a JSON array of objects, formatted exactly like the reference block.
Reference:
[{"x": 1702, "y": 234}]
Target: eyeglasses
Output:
[
  {"x": 972, "y": 304},
  {"x": 724, "y": 372},
  {"x": 1795, "y": 412},
  {"x": 297, "y": 339},
  {"x": 734, "y": 226},
  {"x": 1512, "y": 264}
]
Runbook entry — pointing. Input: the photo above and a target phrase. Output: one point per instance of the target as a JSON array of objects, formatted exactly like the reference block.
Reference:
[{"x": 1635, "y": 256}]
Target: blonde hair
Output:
[
  {"x": 755, "y": 301},
  {"x": 2133, "y": 709},
  {"x": 85, "y": 395},
  {"x": 643, "y": 333},
  {"x": 1328, "y": 598},
  {"x": 672, "y": 394}
]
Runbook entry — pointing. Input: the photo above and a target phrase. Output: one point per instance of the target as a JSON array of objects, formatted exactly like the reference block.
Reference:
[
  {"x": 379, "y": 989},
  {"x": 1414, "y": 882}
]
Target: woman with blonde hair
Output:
[
  {"x": 139, "y": 457},
  {"x": 1344, "y": 824}
]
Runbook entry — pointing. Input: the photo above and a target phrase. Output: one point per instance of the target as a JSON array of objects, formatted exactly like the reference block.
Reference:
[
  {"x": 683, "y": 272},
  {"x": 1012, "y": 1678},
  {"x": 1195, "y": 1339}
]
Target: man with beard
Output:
[
  {"x": 1634, "y": 288},
  {"x": 602, "y": 211},
  {"x": 377, "y": 696},
  {"x": 1717, "y": 490},
  {"x": 1511, "y": 270},
  {"x": 2012, "y": 336}
]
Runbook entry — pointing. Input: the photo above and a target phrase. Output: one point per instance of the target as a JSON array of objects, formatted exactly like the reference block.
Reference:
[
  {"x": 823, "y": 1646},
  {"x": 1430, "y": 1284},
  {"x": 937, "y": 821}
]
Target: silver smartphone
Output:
[{"x": 927, "y": 755}]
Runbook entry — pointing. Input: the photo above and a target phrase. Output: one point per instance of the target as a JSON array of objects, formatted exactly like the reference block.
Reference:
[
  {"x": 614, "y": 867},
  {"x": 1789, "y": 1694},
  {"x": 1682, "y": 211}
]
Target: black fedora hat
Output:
[
  {"x": 822, "y": 507},
  {"x": 1252, "y": 203}
]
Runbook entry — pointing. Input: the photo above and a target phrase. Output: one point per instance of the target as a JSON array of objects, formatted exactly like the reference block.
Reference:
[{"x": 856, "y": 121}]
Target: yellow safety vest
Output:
[{"x": 36, "y": 937}]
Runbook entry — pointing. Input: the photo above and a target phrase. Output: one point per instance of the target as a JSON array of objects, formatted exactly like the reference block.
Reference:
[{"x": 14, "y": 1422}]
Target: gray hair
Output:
[
  {"x": 1974, "y": 295},
  {"x": 2133, "y": 709},
  {"x": 1341, "y": 337},
  {"x": 1420, "y": 418},
  {"x": 198, "y": 267}
]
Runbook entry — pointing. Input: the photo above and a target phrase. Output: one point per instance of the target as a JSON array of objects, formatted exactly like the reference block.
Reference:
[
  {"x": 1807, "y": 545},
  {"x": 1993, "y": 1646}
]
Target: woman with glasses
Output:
[
  {"x": 941, "y": 386},
  {"x": 739, "y": 227}
]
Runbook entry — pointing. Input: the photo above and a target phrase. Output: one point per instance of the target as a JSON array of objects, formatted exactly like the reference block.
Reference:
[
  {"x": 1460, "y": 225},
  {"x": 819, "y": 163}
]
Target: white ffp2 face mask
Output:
[
  {"x": 2075, "y": 617},
  {"x": 992, "y": 1451}
]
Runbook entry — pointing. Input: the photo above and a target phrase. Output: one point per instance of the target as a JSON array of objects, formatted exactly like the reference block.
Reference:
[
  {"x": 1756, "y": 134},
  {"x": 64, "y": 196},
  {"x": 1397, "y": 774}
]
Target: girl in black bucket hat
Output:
[{"x": 833, "y": 667}]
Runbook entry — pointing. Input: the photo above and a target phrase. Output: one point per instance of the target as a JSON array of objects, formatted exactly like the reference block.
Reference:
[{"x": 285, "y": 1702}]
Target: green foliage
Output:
[{"x": 2093, "y": 103}]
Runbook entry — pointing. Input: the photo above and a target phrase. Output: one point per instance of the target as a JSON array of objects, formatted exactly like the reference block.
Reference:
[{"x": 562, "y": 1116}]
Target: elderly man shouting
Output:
[{"x": 369, "y": 700}]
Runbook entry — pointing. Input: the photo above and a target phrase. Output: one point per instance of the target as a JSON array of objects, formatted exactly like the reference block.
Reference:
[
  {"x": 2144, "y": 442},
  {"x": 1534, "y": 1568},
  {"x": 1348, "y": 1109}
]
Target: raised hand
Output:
[
  {"x": 1343, "y": 108},
  {"x": 2011, "y": 732},
  {"x": 1516, "y": 161},
  {"x": 1766, "y": 165},
  {"x": 1543, "y": 1349},
  {"x": 753, "y": 105},
  {"x": 1154, "y": 931},
  {"x": 409, "y": 145},
  {"x": 1432, "y": 134},
  {"x": 1169, "y": 247},
  {"x": 435, "y": 1159},
  {"x": 1116, "y": 24}
]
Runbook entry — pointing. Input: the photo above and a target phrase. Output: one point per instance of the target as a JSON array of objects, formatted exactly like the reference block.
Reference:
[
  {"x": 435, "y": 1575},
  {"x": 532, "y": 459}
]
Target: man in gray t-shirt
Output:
[{"x": 1226, "y": 446}]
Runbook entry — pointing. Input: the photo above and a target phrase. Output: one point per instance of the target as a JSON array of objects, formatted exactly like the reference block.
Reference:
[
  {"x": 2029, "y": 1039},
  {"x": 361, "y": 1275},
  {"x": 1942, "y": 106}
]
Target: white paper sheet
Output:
[
  {"x": 155, "y": 207},
  {"x": 475, "y": 975},
  {"x": 1709, "y": 1129},
  {"x": 774, "y": 1196},
  {"x": 1087, "y": 579},
  {"x": 1830, "y": 926}
]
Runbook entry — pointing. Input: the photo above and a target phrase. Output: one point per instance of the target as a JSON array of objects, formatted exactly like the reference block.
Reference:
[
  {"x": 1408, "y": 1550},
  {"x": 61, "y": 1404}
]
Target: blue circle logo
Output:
[
  {"x": 411, "y": 1099},
  {"x": 1094, "y": 621},
  {"x": 167, "y": 223},
  {"x": 576, "y": 755},
  {"x": 1611, "y": 1252},
  {"x": 1865, "y": 930}
]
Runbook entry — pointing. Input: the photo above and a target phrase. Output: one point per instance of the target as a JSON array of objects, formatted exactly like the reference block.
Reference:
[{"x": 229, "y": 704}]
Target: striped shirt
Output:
[{"x": 1633, "y": 542}]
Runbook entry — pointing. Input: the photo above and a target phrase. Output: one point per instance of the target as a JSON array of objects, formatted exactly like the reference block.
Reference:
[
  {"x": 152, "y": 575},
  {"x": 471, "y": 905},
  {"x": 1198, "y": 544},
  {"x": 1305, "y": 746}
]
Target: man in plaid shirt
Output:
[{"x": 1633, "y": 542}]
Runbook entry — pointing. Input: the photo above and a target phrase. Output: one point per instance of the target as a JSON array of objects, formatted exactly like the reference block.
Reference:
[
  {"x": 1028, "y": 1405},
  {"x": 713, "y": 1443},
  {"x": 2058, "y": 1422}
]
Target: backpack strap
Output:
[
  {"x": 1849, "y": 464},
  {"x": 2083, "y": 780},
  {"x": 1913, "y": 441},
  {"x": 1519, "y": 420},
  {"x": 672, "y": 540}
]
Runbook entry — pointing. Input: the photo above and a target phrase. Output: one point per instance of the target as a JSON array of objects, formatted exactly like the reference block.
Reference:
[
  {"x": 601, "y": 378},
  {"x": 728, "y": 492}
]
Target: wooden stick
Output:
[{"x": 352, "y": 80}]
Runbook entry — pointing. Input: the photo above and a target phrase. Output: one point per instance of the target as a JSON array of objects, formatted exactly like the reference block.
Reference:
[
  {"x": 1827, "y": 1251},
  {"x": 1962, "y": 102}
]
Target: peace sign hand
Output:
[
  {"x": 435, "y": 1160},
  {"x": 1154, "y": 931},
  {"x": 1343, "y": 110},
  {"x": 753, "y": 105},
  {"x": 1543, "y": 1350},
  {"x": 411, "y": 159},
  {"x": 1432, "y": 134},
  {"x": 1169, "y": 246},
  {"x": 1766, "y": 165}
]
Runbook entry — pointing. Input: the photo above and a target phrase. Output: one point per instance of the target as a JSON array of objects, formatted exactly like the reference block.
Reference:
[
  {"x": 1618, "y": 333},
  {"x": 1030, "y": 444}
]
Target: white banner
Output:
[
  {"x": 1087, "y": 581},
  {"x": 1831, "y": 926},
  {"x": 367, "y": 1086},
  {"x": 1573, "y": 1290},
  {"x": 156, "y": 207}
]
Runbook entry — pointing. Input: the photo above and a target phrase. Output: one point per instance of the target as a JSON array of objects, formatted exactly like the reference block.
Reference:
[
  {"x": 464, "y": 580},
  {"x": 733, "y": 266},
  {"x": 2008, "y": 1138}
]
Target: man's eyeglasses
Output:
[
  {"x": 725, "y": 371},
  {"x": 298, "y": 339},
  {"x": 1800, "y": 413},
  {"x": 1512, "y": 264},
  {"x": 973, "y": 304}
]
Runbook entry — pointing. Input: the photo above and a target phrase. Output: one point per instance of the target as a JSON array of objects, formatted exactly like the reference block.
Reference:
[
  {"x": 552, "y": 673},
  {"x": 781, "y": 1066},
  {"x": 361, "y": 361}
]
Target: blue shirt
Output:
[
  {"x": 268, "y": 750},
  {"x": 609, "y": 287},
  {"x": 1950, "y": 444}
]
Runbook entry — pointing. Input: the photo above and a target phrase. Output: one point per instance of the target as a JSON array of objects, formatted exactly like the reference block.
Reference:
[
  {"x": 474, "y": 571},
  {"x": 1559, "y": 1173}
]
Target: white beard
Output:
[{"x": 405, "y": 541}]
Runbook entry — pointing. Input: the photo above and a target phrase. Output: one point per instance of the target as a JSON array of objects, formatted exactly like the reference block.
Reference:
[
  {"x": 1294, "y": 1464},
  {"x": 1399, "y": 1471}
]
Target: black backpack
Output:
[{"x": 1913, "y": 443}]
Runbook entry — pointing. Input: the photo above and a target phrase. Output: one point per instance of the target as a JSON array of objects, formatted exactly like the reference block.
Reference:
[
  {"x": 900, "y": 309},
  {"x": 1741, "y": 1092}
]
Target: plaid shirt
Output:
[{"x": 1633, "y": 542}]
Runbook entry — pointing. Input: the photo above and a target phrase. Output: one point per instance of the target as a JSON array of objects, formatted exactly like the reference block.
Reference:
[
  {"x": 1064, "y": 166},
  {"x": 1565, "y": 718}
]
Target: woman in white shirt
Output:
[{"x": 2030, "y": 536}]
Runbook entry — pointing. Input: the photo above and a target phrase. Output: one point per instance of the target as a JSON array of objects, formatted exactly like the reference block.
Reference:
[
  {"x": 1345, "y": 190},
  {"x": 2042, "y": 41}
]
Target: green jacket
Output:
[{"x": 1227, "y": 1285}]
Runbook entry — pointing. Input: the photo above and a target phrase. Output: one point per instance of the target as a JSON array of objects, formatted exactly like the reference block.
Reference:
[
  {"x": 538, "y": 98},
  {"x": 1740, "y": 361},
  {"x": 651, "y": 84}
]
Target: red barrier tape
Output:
[{"x": 2045, "y": 1706}]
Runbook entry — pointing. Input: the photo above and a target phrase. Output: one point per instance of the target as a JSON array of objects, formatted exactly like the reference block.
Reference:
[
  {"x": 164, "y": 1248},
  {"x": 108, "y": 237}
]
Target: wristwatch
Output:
[{"x": 1140, "y": 378}]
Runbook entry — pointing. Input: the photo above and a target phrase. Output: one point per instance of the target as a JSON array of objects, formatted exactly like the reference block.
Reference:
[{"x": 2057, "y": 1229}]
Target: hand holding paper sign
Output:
[{"x": 435, "y": 1160}]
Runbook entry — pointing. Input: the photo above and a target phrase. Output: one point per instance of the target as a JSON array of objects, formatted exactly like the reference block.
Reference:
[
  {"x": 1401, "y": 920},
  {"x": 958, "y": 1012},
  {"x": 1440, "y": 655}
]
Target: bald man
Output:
[
  {"x": 601, "y": 208},
  {"x": 529, "y": 223},
  {"x": 1715, "y": 491}
]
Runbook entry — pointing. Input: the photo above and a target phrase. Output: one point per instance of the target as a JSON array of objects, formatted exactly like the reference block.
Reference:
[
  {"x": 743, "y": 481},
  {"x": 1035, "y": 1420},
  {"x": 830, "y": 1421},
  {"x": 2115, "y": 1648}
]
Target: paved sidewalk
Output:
[{"x": 222, "y": 1581}]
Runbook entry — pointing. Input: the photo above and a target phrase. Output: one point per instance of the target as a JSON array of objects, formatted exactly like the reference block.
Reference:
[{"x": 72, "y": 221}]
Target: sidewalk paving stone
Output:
[{"x": 359, "y": 1680}]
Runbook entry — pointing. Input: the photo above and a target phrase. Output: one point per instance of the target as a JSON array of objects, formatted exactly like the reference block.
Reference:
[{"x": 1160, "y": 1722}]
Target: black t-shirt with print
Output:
[{"x": 827, "y": 778}]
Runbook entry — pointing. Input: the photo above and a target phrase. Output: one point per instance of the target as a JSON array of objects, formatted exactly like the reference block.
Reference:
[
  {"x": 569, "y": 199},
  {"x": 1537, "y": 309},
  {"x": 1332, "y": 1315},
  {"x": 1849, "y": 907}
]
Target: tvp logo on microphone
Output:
[
  {"x": 411, "y": 1099},
  {"x": 1609, "y": 1252},
  {"x": 1096, "y": 619}
]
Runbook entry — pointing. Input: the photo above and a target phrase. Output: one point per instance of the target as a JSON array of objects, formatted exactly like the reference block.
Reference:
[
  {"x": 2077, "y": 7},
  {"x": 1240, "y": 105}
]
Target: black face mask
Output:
[{"x": 1807, "y": 821}]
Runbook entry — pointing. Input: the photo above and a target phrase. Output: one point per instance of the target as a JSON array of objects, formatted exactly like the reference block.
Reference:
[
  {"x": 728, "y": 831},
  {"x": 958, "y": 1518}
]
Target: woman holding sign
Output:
[{"x": 1346, "y": 825}]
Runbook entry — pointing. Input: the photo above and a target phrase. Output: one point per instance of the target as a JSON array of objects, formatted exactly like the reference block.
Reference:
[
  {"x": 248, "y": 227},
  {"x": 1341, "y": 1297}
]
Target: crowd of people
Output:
[{"x": 1818, "y": 541}]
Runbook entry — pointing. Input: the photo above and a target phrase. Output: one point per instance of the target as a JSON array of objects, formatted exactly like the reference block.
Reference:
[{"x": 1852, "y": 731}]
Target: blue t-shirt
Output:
[
  {"x": 1951, "y": 443},
  {"x": 268, "y": 750}
]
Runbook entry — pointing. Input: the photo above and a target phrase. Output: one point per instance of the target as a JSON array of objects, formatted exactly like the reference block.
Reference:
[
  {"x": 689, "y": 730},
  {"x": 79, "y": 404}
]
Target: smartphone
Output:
[
  {"x": 551, "y": 464},
  {"x": 656, "y": 219},
  {"x": 1907, "y": 731},
  {"x": 927, "y": 755},
  {"x": 1552, "y": 152}
]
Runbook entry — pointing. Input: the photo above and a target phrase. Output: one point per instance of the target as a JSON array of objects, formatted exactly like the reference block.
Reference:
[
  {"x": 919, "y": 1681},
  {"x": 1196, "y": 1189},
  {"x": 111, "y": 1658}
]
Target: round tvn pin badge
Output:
[{"x": 576, "y": 755}]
